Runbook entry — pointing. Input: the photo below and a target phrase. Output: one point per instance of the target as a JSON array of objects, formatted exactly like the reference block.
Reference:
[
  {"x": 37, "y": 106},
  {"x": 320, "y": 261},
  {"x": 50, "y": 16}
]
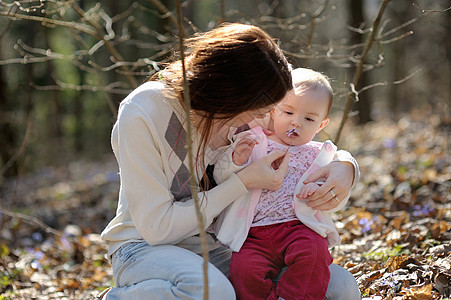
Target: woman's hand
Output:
[
  {"x": 267, "y": 172},
  {"x": 339, "y": 178}
]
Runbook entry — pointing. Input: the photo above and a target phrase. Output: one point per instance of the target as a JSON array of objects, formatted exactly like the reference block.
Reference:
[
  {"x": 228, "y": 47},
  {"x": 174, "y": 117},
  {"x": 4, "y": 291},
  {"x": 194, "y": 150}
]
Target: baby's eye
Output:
[
  {"x": 310, "y": 119},
  {"x": 288, "y": 112}
]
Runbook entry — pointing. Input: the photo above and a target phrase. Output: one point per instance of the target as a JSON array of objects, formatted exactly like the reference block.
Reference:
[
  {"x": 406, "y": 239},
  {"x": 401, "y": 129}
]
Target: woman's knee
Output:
[
  {"x": 342, "y": 285},
  {"x": 192, "y": 283},
  {"x": 220, "y": 287}
]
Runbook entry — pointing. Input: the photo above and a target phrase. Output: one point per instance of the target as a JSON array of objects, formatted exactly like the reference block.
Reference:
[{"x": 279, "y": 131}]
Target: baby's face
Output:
[{"x": 305, "y": 112}]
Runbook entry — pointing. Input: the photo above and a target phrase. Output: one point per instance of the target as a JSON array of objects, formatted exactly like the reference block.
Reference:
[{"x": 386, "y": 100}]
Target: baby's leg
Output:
[
  {"x": 253, "y": 268},
  {"x": 308, "y": 258}
]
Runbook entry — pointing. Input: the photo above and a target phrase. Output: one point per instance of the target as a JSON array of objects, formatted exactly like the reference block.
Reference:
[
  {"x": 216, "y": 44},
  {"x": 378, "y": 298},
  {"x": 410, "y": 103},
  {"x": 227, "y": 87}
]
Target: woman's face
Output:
[{"x": 248, "y": 116}]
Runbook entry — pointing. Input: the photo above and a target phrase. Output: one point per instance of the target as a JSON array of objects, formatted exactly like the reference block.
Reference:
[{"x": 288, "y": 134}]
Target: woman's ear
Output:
[
  {"x": 272, "y": 112},
  {"x": 271, "y": 119},
  {"x": 323, "y": 124}
]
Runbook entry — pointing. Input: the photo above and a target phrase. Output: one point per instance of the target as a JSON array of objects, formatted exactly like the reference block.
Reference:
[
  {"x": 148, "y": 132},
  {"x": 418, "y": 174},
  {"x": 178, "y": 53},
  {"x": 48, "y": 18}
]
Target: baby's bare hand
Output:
[
  {"x": 243, "y": 151},
  {"x": 307, "y": 190}
]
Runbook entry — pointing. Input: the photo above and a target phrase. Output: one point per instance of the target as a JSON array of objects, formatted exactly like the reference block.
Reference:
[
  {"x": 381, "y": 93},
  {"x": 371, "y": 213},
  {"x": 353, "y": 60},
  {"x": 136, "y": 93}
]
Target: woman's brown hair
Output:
[{"x": 229, "y": 70}]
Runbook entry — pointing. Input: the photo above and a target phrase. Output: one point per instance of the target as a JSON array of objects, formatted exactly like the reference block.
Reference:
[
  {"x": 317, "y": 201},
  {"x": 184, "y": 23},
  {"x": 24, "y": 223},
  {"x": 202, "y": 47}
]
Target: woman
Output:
[{"x": 235, "y": 73}]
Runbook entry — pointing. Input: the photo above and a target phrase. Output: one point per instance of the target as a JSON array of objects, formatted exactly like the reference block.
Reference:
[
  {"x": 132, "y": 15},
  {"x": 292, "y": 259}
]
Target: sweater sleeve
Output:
[
  {"x": 225, "y": 166},
  {"x": 158, "y": 218},
  {"x": 345, "y": 156}
]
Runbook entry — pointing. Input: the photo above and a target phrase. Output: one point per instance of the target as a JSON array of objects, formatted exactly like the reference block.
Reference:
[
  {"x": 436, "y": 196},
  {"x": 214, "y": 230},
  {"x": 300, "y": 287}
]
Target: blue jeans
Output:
[{"x": 141, "y": 271}]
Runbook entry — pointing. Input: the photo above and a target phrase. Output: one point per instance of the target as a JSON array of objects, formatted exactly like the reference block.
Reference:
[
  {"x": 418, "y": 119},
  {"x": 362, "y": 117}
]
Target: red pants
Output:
[{"x": 267, "y": 250}]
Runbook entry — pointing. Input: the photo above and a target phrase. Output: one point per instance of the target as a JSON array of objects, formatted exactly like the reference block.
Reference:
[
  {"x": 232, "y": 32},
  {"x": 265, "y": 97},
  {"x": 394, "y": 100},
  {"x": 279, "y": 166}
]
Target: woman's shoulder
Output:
[
  {"x": 149, "y": 92},
  {"x": 150, "y": 98}
]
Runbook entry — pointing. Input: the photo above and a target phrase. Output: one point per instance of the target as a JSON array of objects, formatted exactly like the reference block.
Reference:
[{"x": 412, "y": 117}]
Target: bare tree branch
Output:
[
  {"x": 167, "y": 14},
  {"x": 111, "y": 88},
  {"x": 385, "y": 83},
  {"x": 45, "y": 21},
  {"x": 94, "y": 30},
  {"x": 99, "y": 34},
  {"x": 187, "y": 101},
  {"x": 34, "y": 221},
  {"x": 358, "y": 30},
  {"x": 397, "y": 28},
  {"x": 315, "y": 17},
  {"x": 430, "y": 10},
  {"x": 395, "y": 39}
]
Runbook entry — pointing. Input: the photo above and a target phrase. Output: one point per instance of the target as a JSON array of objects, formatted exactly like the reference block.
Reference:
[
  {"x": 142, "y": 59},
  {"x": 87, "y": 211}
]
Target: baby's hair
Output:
[{"x": 307, "y": 79}]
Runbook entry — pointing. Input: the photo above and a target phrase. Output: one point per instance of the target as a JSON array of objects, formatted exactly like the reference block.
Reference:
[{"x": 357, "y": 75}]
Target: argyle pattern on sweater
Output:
[{"x": 176, "y": 137}]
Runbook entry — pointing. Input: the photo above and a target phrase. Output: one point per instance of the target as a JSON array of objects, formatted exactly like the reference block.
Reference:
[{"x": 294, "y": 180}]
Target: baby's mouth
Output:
[{"x": 293, "y": 132}]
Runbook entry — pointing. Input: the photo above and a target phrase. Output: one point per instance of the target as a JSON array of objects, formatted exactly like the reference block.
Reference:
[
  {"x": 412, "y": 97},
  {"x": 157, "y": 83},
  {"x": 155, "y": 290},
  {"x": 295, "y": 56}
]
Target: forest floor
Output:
[{"x": 396, "y": 230}]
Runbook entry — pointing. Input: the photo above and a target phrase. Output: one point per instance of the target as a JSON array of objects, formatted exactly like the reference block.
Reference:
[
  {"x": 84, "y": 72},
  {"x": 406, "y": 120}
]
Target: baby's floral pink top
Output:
[{"x": 277, "y": 206}]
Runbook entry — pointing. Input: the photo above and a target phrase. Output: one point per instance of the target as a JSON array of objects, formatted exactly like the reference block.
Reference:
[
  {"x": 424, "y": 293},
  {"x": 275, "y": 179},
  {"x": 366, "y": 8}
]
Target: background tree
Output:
[{"x": 357, "y": 22}]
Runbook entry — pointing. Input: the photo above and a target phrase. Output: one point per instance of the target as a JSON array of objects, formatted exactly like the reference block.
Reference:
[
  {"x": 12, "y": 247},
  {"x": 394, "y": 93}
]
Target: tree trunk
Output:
[
  {"x": 447, "y": 42},
  {"x": 397, "y": 66},
  {"x": 7, "y": 133},
  {"x": 357, "y": 19},
  {"x": 55, "y": 109}
]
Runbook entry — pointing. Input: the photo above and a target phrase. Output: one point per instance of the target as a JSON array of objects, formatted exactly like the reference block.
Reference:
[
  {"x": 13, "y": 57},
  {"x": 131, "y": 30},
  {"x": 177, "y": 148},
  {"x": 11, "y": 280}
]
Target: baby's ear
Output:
[{"x": 323, "y": 124}]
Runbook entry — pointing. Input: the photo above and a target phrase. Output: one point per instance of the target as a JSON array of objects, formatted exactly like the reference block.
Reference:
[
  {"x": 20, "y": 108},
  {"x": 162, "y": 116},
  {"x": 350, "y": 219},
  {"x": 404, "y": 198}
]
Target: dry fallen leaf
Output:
[
  {"x": 423, "y": 292},
  {"x": 397, "y": 262}
]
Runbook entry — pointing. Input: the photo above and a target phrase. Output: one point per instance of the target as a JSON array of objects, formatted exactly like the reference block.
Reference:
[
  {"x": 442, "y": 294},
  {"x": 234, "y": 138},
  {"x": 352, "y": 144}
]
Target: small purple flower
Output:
[
  {"x": 39, "y": 255},
  {"x": 394, "y": 283},
  {"x": 363, "y": 221},
  {"x": 366, "y": 224},
  {"x": 29, "y": 250},
  {"x": 389, "y": 143},
  {"x": 366, "y": 228},
  {"x": 37, "y": 236},
  {"x": 420, "y": 211},
  {"x": 66, "y": 243}
]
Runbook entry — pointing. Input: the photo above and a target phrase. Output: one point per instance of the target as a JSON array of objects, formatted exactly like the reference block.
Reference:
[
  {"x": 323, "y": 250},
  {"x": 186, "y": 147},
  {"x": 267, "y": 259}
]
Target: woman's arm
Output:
[{"x": 145, "y": 183}]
